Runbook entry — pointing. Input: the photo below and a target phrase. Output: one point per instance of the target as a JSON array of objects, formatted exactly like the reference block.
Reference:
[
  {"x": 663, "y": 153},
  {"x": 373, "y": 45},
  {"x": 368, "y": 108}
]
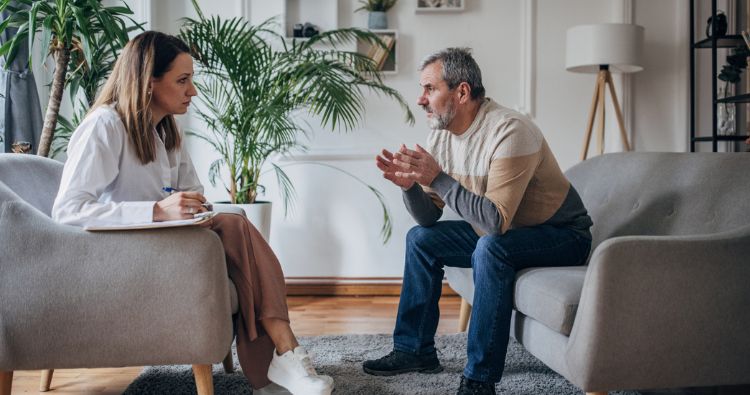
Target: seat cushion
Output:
[{"x": 550, "y": 295}]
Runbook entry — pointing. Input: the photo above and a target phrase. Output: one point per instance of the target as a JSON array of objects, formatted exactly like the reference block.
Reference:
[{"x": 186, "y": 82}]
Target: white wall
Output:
[
  {"x": 563, "y": 98},
  {"x": 661, "y": 91},
  {"x": 520, "y": 46}
]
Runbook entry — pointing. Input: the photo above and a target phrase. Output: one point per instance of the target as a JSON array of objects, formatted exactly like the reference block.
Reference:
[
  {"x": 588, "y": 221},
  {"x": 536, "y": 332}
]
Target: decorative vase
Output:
[
  {"x": 377, "y": 20},
  {"x": 720, "y": 23},
  {"x": 725, "y": 114},
  {"x": 259, "y": 214}
]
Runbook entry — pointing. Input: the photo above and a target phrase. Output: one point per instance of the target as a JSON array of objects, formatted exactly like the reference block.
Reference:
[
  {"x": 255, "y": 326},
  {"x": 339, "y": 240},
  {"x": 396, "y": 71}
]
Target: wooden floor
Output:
[{"x": 310, "y": 316}]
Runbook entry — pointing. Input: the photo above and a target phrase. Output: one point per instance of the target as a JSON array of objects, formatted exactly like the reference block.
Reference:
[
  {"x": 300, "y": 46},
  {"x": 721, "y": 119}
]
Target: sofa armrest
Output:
[
  {"x": 664, "y": 311},
  {"x": 71, "y": 298}
]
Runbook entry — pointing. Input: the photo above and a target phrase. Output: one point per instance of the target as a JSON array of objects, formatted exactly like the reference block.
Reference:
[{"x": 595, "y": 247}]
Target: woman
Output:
[{"x": 128, "y": 151}]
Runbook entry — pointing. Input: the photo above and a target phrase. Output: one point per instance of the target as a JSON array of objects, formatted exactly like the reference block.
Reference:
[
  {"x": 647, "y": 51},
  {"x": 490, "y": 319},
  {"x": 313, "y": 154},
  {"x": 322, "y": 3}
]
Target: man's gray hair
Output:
[{"x": 458, "y": 66}]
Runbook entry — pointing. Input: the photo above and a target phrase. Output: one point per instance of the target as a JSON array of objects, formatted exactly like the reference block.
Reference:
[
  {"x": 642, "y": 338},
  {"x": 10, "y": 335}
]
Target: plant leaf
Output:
[{"x": 252, "y": 83}]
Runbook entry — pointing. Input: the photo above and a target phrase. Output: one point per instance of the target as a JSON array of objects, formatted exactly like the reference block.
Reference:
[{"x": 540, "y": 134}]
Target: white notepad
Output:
[{"x": 197, "y": 220}]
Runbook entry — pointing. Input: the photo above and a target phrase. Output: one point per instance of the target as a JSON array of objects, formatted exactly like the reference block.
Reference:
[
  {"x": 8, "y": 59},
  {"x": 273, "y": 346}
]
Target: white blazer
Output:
[{"x": 104, "y": 182}]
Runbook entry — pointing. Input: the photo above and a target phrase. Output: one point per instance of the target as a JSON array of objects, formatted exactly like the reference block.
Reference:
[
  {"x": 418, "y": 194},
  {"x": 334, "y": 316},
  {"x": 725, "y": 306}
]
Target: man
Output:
[{"x": 492, "y": 166}]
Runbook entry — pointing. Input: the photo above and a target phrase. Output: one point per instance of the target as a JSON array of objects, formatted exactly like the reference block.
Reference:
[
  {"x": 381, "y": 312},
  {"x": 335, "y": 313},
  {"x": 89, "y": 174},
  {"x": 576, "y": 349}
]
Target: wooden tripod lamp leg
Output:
[
  {"x": 618, "y": 112},
  {"x": 592, "y": 116},
  {"x": 600, "y": 130}
]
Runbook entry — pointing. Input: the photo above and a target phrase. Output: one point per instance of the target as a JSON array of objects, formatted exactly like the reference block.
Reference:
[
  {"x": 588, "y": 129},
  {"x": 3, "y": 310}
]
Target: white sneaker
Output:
[{"x": 294, "y": 371}]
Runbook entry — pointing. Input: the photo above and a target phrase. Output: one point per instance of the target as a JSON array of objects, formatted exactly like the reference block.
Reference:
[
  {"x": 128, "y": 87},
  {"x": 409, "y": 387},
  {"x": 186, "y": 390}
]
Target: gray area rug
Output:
[{"x": 341, "y": 358}]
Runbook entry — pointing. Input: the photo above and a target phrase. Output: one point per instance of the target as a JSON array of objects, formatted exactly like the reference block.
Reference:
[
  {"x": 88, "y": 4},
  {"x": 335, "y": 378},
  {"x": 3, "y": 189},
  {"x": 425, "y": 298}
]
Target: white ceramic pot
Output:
[{"x": 259, "y": 214}]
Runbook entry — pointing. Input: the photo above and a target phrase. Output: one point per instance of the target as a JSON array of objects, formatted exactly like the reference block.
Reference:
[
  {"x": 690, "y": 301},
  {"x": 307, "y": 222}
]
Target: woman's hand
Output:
[{"x": 180, "y": 205}]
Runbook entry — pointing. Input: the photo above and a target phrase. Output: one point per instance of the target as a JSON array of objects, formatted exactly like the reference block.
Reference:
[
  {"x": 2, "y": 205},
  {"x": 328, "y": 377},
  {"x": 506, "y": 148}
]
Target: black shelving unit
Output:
[
  {"x": 713, "y": 43},
  {"x": 728, "y": 41}
]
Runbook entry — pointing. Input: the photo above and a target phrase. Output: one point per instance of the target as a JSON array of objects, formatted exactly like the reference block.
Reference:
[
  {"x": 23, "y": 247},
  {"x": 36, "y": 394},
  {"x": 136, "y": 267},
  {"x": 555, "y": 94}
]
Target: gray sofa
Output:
[
  {"x": 665, "y": 299},
  {"x": 74, "y": 299}
]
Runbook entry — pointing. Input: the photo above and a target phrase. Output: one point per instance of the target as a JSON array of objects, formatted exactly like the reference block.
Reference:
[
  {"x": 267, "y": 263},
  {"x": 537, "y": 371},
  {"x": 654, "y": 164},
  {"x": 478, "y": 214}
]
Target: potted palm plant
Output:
[
  {"x": 251, "y": 81},
  {"x": 68, "y": 29},
  {"x": 85, "y": 77}
]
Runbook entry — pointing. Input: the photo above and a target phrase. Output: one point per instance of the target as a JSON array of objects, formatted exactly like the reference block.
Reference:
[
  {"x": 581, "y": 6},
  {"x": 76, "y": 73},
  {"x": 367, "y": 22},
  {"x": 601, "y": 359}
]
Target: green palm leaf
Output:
[
  {"x": 253, "y": 82},
  {"x": 71, "y": 31}
]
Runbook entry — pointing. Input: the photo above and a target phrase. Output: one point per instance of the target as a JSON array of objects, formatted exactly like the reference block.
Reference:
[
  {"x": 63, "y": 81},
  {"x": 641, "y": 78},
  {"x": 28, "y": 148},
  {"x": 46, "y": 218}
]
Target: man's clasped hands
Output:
[{"x": 407, "y": 166}]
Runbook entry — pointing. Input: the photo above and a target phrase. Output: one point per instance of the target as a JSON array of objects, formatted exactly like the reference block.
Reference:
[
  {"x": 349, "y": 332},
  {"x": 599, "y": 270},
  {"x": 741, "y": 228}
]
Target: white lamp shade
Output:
[{"x": 617, "y": 45}]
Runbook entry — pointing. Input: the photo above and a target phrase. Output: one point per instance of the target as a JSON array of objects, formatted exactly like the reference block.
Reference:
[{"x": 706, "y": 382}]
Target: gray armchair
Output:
[
  {"x": 74, "y": 299},
  {"x": 665, "y": 299}
]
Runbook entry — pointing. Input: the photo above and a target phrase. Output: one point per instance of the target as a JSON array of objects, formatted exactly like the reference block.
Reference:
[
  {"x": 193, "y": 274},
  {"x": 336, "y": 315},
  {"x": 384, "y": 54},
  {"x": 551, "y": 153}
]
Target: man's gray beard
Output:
[{"x": 442, "y": 121}]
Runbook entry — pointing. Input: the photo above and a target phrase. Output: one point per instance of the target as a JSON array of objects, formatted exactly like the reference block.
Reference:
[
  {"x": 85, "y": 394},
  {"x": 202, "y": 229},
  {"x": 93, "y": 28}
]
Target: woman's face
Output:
[{"x": 172, "y": 92}]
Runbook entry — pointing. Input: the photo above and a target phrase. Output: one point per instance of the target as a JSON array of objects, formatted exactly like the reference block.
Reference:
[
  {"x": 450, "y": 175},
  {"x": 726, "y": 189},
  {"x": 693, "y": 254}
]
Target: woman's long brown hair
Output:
[{"x": 149, "y": 54}]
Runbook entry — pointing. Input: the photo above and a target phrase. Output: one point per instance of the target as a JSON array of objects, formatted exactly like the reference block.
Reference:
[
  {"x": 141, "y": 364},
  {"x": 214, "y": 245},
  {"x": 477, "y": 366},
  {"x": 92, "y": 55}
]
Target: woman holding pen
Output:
[{"x": 127, "y": 164}]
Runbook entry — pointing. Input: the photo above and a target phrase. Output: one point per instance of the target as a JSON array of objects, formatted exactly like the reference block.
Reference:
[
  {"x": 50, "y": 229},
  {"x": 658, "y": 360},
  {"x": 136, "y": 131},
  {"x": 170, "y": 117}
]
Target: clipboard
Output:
[{"x": 197, "y": 220}]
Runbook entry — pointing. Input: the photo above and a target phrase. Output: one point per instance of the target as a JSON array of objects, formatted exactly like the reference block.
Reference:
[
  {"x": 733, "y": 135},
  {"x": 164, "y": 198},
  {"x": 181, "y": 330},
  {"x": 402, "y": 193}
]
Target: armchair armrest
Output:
[
  {"x": 71, "y": 298},
  {"x": 664, "y": 311}
]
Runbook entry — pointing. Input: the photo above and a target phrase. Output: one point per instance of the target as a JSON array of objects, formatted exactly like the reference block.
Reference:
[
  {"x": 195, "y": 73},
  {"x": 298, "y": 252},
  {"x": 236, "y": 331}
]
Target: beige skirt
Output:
[{"x": 261, "y": 291}]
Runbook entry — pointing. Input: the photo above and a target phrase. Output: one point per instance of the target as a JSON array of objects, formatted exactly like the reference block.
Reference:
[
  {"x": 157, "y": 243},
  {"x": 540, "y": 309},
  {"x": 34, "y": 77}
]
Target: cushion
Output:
[
  {"x": 663, "y": 193},
  {"x": 550, "y": 295}
]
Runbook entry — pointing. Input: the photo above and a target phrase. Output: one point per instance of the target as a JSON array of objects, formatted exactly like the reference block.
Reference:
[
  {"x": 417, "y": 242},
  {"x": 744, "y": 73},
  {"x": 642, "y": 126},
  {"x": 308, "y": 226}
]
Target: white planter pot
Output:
[{"x": 259, "y": 214}]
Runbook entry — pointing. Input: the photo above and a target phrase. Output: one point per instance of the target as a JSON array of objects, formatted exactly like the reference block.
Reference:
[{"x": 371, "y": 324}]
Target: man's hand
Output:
[
  {"x": 389, "y": 169},
  {"x": 417, "y": 165},
  {"x": 180, "y": 205}
]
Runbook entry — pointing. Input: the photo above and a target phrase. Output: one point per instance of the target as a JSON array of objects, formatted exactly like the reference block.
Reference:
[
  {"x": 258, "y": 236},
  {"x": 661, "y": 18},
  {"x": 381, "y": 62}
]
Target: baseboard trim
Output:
[{"x": 351, "y": 289}]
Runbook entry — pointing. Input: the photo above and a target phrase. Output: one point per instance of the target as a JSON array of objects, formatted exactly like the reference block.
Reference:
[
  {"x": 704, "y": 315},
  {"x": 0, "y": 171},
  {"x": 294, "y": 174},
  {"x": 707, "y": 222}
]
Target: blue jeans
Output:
[{"x": 495, "y": 259}]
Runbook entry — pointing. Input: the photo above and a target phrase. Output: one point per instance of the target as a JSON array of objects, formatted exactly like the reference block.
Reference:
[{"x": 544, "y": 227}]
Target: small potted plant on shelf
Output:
[
  {"x": 252, "y": 82},
  {"x": 736, "y": 63},
  {"x": 377, "y": 18}
]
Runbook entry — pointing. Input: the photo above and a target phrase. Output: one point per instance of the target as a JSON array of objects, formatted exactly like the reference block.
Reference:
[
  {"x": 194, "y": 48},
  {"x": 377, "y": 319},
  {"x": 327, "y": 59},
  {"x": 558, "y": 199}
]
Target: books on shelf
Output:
[{"x": 379, "y": 54}]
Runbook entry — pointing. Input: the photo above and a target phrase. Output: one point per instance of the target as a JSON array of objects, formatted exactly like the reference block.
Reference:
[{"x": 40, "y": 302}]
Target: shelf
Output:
[
  {"x": 743, "y": 98},
  {"x": 390, "y": 63},
  {"x": 728, "y": 41},
  {"x": 321, "y": 13},
  {"x": 721, "y": 138},
  {"x": 697, "y": 42}
]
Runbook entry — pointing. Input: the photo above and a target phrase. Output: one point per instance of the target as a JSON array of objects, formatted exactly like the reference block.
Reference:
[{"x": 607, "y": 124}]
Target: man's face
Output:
[{"x": 436, "y": 99}]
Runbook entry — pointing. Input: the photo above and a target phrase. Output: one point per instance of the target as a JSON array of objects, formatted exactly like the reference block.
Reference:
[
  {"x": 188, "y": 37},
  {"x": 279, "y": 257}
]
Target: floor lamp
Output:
[{"x": 604, "y": 49}]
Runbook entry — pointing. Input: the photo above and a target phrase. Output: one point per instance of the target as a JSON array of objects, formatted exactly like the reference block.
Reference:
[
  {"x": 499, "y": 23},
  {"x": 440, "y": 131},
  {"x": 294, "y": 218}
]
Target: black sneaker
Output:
[
  {"x": 398, "y": 362},
  {"x": 471, "y": 387}
]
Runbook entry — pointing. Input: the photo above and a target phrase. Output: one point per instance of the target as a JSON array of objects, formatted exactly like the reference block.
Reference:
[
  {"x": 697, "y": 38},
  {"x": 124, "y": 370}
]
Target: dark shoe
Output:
[
  {"x": 471, "y": 387},
  {"x": 398, "y": 362}
]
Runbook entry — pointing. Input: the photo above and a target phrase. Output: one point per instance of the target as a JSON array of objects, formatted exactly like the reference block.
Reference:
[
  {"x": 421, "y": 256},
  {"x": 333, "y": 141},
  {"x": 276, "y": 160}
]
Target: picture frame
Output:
[{"x": 439, "y": 5}]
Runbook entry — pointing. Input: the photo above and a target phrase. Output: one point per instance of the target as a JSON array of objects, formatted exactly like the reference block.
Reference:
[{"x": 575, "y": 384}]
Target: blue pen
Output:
[{"x": 169, "y": 190}]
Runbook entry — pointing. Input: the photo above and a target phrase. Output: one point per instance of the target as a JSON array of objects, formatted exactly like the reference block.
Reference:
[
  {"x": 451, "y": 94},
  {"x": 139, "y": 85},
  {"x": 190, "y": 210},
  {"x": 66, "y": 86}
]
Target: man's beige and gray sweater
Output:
[{"x": 500, "y": 174}]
